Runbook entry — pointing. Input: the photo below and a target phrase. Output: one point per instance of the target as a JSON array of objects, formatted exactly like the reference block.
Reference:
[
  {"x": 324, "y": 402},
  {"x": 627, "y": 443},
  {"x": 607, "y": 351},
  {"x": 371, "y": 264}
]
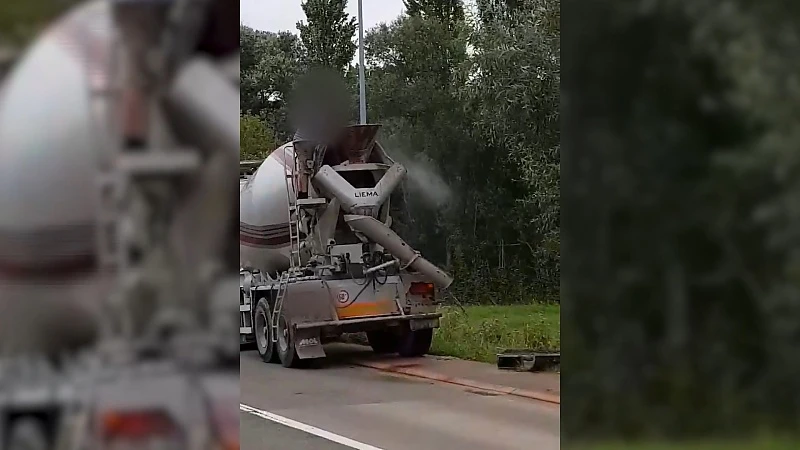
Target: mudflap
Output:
[{"x": 308, "y": 344}]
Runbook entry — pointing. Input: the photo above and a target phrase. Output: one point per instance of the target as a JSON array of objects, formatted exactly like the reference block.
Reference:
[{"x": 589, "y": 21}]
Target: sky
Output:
[{"x": 283, "y": 15}]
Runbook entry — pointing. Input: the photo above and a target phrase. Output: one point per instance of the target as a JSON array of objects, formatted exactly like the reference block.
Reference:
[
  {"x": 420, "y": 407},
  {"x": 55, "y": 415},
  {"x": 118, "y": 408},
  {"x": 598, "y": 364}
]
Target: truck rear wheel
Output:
[
  {"x": 263, "y": 332},
  {"x": 382, "y": 341},
  {"x": 28, "y": 433},
  {"x": 287, "y": 345},
  {"x": 415, "y": 342}
]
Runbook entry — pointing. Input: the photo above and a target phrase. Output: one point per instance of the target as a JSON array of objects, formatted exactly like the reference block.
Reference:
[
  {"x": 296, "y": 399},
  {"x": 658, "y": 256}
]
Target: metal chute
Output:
[{"x": 384, "y": 236}]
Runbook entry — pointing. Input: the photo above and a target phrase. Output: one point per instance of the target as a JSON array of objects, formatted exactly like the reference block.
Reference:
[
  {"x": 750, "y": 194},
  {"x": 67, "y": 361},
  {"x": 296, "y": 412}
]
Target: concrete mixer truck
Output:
[
  {"x": 100, "y": 346},
  {"x": 319, "y": 257}
]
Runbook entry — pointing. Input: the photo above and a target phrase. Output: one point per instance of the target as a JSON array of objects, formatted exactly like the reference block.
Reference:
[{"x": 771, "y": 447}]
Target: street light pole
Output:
[{"x": 362, "y": 99}]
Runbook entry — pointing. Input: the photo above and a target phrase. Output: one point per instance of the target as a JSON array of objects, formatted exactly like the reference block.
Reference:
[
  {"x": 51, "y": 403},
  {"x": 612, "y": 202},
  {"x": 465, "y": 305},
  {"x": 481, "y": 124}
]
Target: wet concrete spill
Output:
[
  {"x": 483, "y": 393},
  {"x": 400, "y": 378},
  {"x": 404, "y": 366}
]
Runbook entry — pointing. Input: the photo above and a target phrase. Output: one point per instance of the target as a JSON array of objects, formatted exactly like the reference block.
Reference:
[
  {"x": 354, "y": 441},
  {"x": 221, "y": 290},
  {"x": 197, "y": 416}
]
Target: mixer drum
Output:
[
  {"x": 50, "y": 294},
  {"x": 264, "y": 215}
]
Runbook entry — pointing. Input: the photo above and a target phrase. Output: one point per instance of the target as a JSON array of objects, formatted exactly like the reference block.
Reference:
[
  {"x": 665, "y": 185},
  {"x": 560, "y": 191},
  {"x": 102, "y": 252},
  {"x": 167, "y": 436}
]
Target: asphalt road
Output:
[
  {"x": 338, "y": 406},
  {"x": 258, "y": 433}
]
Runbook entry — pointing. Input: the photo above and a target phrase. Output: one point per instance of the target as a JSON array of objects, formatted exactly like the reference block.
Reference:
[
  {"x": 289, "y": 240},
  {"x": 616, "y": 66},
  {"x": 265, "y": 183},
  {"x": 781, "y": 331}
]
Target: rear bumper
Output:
[{"x": 358, "y": 324}]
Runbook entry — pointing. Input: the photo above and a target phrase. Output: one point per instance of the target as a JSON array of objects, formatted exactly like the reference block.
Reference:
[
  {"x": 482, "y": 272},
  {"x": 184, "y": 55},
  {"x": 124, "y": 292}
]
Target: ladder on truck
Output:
[{"x": 291, "y": 181}]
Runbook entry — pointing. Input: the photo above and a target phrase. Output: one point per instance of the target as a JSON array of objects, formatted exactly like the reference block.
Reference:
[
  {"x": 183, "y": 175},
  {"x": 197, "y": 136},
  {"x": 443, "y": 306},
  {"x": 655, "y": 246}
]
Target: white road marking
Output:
[{"x": 333, "y": 437}]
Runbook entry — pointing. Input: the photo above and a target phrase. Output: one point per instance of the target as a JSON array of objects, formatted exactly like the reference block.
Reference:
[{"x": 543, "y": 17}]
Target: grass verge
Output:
[
  {"x": 765, "y": 444},
  {"x": 479, "y": 332}
]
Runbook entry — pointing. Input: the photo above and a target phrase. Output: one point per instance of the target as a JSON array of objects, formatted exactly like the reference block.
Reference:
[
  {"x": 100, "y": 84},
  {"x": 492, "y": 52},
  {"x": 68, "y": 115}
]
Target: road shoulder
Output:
[{"x": 545, "y": 386}]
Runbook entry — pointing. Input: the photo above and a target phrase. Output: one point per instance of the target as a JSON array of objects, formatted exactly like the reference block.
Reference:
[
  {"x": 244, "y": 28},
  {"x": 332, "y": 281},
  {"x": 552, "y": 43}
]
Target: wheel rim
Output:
[
  {"x": 283, "y": 335},
  {"x": 262, "y": 332}
]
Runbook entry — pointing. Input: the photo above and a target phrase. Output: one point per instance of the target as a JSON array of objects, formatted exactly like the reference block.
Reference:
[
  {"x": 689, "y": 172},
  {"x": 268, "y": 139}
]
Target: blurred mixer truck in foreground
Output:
[{"x": 319, "y": 258}]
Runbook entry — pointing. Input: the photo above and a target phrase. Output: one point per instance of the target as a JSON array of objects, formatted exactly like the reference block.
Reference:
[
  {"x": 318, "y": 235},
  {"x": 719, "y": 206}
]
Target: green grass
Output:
[
  {"x": 765, "y": 444},
  {"x": 479, "y": 332}
]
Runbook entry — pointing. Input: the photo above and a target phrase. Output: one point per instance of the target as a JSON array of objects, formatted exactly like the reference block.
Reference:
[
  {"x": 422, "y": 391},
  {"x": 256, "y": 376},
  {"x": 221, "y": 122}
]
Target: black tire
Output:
[
  {"x": 286, "y": 347},
  {"x": 262, "y": 325},
  {"x": 28, "y": 433},
  {"x": 415, "y": 343},
  {"x": 382, "y": 341}
]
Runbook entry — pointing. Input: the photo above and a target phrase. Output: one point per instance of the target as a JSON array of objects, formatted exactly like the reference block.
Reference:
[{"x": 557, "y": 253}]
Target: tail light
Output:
[
  {"x": 423, "y": 289},
  {"x": 148, "y": 429}
]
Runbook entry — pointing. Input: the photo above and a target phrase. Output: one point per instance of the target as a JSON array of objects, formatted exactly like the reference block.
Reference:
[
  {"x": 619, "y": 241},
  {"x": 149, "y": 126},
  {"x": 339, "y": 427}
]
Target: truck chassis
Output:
[{"x": 401, "y": 323}]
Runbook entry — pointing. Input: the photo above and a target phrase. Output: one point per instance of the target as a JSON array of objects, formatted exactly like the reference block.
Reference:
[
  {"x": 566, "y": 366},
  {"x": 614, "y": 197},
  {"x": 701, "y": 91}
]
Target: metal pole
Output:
[{"x": 362, "y": 94}]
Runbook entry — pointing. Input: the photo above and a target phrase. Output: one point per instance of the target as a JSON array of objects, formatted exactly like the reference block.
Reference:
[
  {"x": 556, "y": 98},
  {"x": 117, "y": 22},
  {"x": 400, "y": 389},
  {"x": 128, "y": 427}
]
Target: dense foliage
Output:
[
  {"x": 681, "y": 293},
  {"x": 21, "y": 20},
  {"x": 469, "y": 101},
  {"x": 328, "y": 36},
  {"x": 256, "y": 140}
]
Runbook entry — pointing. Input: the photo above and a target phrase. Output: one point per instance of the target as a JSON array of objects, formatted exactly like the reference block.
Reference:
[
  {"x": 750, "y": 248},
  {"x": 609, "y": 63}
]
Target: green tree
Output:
[
  {"x": 21, "y": 20},
  {"x": 414, "y": 68},
  {"x": 514, "y": 100},
  {"x": 256, "y": 139},
  {"x": 269, "y": 66},
  {"x": 328, "y": 36},
  {"x": 448, "y": 11},
  {"x": 493, "y": 10},
  {"x": 490, "y": 123},
  {"x": 412, "y": 80},
  {"x": 20, "y": 23}
]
